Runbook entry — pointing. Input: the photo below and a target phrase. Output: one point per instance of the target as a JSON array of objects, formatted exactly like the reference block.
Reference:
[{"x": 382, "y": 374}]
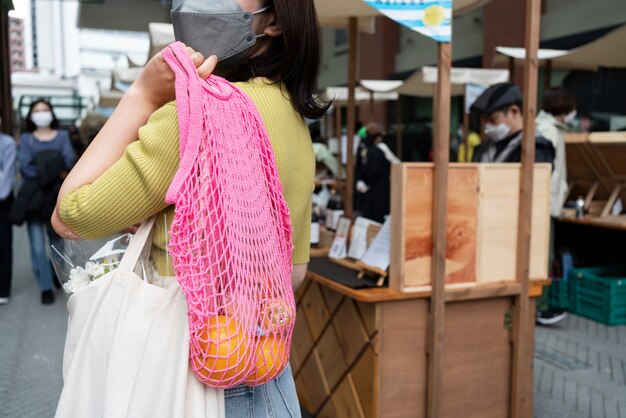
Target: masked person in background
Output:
[
  {"x": 45, "y": 155},
  {"x": 270, "y": 50},
  {"x": 372, "y": 173},
  {"x": 7, "y": 180},
  {"x": 500, "y": 107}
]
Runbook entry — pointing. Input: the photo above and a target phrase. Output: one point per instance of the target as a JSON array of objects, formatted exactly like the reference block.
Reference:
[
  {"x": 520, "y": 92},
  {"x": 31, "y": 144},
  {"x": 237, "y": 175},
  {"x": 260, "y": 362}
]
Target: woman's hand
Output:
[
  {"x": 156, "y": 81},
  {"x": 153, "y": 89}
]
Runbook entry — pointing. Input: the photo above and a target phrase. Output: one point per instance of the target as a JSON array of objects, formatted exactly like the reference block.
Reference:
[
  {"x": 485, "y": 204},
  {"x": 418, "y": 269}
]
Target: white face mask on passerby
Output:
[
  {"x": 570, "y": 117},
  {"x": 497, "y": 132},
  {"x": 42, "y": 119}
]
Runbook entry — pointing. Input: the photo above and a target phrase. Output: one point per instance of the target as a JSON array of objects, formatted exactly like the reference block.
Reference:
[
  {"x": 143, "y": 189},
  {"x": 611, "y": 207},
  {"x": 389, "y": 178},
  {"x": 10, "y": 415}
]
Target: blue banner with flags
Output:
[{"x": 432, "y": 18}]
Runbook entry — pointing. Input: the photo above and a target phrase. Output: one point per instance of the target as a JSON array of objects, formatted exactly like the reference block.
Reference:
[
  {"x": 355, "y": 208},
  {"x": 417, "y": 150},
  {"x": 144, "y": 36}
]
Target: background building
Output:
[{"x": 16, "y": 44}]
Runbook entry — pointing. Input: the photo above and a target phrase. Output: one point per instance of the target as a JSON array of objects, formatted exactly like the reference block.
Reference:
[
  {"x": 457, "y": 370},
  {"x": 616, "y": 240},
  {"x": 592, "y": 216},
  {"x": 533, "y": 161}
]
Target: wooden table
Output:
[{"x": 363, "y": 353}]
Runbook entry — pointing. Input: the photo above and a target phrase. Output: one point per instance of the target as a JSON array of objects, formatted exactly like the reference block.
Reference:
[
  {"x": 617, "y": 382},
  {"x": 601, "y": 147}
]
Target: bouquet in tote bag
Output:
[{"x": 230, "y": 239}]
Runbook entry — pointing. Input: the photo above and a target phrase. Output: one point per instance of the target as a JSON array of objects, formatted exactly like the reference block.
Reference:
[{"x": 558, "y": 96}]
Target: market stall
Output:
[{"x": 434, "y": 349}]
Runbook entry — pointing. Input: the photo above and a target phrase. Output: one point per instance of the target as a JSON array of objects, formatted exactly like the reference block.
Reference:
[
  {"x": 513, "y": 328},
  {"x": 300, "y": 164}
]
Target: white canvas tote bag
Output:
[{"x": 127, "y": 349}]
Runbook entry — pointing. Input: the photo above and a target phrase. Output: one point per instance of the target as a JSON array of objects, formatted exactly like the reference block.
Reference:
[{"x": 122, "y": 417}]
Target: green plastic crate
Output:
[
  {"x": 559, "y": 294},
  {"x": 599, "y": 293}
]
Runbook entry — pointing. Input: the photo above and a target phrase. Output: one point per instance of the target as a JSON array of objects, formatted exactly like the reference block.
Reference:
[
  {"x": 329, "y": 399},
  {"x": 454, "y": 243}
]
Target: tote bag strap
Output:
[{"x": 137, "y": 245}]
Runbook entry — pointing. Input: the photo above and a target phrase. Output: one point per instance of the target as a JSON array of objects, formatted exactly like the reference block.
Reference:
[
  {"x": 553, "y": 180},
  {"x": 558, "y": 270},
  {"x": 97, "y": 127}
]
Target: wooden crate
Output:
[{"x": 483, "y": 206}]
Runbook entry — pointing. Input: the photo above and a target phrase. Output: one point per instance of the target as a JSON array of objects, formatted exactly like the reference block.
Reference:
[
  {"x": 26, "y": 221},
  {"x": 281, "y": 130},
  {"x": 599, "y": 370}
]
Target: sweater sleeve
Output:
[{"x": 134, "y": 188}]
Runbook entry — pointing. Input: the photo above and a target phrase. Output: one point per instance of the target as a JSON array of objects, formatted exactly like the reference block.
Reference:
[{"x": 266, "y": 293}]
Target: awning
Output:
[
  {"x": 422, "y": 82},
  {"x": 329, "y": 9},
  {"x": 606, "y": 51},
  {"x": 339, "y": 95}
]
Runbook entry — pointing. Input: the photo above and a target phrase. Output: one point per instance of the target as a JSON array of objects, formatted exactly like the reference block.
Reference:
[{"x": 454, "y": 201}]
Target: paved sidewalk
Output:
[
  {"x": 580, "y": 365},
  {"x": 31, "y": 343}
]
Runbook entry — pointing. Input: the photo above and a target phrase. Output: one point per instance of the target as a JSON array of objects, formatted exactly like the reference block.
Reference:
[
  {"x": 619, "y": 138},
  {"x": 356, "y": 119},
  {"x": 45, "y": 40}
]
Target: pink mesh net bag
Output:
[{"x": 230, "y": 239}]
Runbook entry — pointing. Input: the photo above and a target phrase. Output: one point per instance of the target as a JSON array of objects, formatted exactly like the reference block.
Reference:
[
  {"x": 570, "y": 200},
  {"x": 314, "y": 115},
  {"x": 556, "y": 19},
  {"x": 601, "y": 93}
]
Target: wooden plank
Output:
[
  {"x": 477, "y": 360},
  {"x": 333, "y": 364},
  {"x": 332, "y": 298},
  {"x": 386, "y": 294},
  {"x": 460, "y": 228},
  {"x": 398, "y": 228},
  {"x": 369, "y": 315},
  {"x": 350, "y": 124},
  {"x": 609, "y": 203},
  {"x": 327, "y": 411},
  {"x": 350, "y": 331},
  {"x": 441, "y": 152},
  {"x": 345, "y": 400},
  {"x": 529, "y": 338},
  {"x": 316, "y": 314},
  {"x": 399, "y": 128},
  {"x": 608, "y": 137},
  {"x": 497, "y": 222},
  {"x": 521, "y": 367},
  {"x": 311, "y": 385},
  {"x": 363, "y": 376},
  {"x": 301, "y": 343},
  {"x": 402, "y": 362}
]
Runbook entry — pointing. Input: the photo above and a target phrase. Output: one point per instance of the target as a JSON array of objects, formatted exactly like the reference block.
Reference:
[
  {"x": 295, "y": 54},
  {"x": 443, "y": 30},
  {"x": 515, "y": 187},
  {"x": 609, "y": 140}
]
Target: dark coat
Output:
[
  {"x": 374, "y": 169},
  {"x": 37, "y": 196},
  {"x": 544, "y": 150}
]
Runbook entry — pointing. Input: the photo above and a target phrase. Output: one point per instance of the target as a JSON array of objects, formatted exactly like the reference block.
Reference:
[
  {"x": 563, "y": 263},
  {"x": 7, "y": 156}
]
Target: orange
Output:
[
  {"x": 276, "y": 316},
  {"x": 271, "y": 359},
  {"x": 224, "y": 347}
]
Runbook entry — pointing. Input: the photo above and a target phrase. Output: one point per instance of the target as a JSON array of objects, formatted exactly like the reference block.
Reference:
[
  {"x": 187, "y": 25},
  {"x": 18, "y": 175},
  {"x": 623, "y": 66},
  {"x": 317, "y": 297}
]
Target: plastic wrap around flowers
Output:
[{"x": 78, "y": 263}]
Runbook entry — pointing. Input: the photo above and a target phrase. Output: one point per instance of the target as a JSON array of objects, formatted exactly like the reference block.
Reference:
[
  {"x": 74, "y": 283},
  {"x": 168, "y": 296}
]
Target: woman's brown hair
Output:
[{"x": 292, "y": 57}]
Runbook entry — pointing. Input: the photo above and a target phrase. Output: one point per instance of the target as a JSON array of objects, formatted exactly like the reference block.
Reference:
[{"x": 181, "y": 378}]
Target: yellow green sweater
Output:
[{"x": 134, "y": 188}]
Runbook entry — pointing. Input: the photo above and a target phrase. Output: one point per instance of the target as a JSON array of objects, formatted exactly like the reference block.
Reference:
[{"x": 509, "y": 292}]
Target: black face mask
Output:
[{"x": 211, "y": 30}]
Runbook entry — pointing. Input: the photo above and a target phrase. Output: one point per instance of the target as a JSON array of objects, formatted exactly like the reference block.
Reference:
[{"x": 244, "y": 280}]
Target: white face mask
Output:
[
  {"x": 569, "y": 118},
  {"x": 497, "y": 132},
  {"x": 42, "y": 119}
]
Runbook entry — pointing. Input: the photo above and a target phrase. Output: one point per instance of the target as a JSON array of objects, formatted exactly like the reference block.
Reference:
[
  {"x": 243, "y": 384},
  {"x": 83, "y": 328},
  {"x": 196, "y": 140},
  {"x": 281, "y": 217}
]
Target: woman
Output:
[
  {"x": 123, "y": 176},
  {"x": 45, "y": 155}
]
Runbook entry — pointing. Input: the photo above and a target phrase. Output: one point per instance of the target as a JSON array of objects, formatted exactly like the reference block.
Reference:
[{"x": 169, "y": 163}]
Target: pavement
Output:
[{"x": 580, "y": 365}]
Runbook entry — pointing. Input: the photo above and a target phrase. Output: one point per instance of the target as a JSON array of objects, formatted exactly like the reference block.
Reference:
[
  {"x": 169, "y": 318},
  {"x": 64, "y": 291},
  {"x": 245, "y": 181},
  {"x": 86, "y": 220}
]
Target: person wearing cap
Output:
[
  {"x": 372, "y": 173},
  {"x": 500, "y": 107}
]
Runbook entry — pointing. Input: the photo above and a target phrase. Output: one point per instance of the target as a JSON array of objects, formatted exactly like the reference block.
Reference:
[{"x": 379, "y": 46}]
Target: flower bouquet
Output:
[{"x": 78, "y": 263}]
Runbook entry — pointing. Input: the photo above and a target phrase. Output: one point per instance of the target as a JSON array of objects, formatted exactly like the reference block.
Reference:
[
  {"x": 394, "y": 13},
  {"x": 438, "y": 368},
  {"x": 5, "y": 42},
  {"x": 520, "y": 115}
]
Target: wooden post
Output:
[
  {"x": 338, "y": 135},
  {"x": 547, "y": 75},
  {"x": 441, "y": 156},
  {"x": 521, "y": 393},
  {"x": 349, "y": 190},
  {"x": 398, "y": 128},
  {"x": 466, "y": 132},
  {"x": 372, "y": 111},
  {"x": 512, "y": 69},
  {"x": 6, "y": 101}
]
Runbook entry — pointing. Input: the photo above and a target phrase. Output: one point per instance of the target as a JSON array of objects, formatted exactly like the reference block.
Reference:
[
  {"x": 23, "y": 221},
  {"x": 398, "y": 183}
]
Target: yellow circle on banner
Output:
[{"x": 434, "y": 15}]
